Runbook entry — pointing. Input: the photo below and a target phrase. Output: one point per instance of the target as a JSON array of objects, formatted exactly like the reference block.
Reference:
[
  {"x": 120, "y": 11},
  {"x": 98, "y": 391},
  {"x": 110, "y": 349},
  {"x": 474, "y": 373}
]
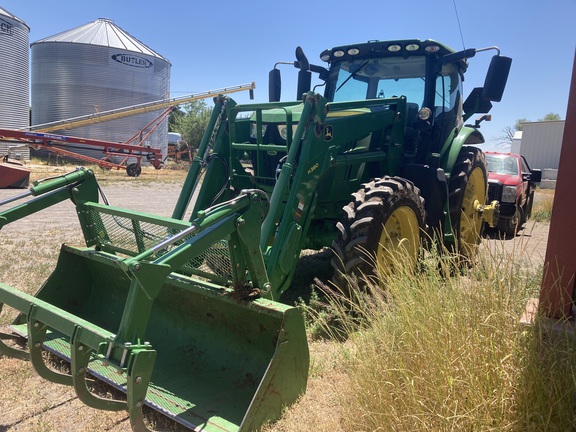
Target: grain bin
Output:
[
  {"x": 14, "y": 80},
  {"x": 93, "y": 68}
]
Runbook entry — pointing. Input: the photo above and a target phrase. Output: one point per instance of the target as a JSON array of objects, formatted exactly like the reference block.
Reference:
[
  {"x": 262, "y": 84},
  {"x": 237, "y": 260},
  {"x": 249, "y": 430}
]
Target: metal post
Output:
[{"x": 557, "y": 292}]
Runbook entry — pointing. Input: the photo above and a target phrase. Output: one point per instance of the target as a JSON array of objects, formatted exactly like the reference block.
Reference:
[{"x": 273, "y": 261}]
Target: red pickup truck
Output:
[{"x": 512, "y": 182}]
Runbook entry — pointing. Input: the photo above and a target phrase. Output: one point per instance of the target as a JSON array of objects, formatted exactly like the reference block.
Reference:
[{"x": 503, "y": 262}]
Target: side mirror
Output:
[
  {"x": 536, "y": 176},
  {"x": 496, "y": 78},
  {"x": 475, "y": 103},
  {"x": 274, "y": 85}
]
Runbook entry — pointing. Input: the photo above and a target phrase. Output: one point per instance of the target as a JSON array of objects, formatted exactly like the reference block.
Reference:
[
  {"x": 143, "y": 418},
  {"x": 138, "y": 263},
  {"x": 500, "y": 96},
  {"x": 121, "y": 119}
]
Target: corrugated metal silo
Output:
[
  {"x": 93, "y": 68},
  {"x": 14, "y": 102}
]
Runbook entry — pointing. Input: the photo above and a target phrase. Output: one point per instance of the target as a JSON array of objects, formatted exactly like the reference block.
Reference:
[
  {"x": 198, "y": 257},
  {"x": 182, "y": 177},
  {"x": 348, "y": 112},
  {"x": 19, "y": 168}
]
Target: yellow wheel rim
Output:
[
  {"x": 470, "y": 219},
  {"x": 399, "y": 240}
]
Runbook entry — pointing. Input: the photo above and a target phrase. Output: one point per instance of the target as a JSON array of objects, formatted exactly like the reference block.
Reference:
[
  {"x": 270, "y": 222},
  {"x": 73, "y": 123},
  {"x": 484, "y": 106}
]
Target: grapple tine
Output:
[
  {"x": 80, "y": 357},
  {"x": 36, "y": 337},
  {"x": 12, "y": 352},
  {"x": 140, "y": 368},
  {"x": 9, "y": 351}
]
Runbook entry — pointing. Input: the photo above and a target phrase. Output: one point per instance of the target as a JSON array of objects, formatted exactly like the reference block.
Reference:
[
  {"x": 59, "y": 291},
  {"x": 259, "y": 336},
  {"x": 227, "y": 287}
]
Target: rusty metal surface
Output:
[{"x": 556, "y": 295}]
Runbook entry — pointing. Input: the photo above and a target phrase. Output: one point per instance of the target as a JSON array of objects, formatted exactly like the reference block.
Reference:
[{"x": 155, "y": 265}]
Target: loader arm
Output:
[
  {"x": 326, "y": 142},
  {"x": 328, "y": 150},
  {"x": 78, "y": 186}
]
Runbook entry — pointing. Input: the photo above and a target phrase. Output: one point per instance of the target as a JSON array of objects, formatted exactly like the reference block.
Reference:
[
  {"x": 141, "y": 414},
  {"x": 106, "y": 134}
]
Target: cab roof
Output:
[{"x": 400, "y": 48}]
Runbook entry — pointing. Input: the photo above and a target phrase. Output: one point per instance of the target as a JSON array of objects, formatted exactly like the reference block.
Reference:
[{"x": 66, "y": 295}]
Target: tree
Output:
[
  {"x": 508, "y": 131},
  {"x": 519, "y": 125},
  {"x": 191, "y": 122},
  {"x": 173, "y": 118},
  {"x": 508, "y": 135},
  {"x": 551, "y": 117}
]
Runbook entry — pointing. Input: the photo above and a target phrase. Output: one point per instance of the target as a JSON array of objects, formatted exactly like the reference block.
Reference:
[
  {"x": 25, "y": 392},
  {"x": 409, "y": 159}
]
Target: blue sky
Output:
[{"x": 219, "y": 44}]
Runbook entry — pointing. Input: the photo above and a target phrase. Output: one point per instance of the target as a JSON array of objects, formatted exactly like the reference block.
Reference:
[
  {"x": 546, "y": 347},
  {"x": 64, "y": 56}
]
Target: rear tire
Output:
[
  {"x": 468, "y": 186},
  {"x": 382, "y": 226}
]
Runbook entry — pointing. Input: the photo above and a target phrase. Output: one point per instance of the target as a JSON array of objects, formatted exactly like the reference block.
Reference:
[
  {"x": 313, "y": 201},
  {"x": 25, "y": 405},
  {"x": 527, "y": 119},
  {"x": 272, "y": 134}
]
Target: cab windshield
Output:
[
  {"x": 502, "y": 164},
  {"x": 381, "y": 78}
]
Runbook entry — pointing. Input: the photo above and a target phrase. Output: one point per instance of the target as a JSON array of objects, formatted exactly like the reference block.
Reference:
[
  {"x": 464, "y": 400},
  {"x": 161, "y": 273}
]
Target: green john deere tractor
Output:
[{"x": 182, "y": 313}]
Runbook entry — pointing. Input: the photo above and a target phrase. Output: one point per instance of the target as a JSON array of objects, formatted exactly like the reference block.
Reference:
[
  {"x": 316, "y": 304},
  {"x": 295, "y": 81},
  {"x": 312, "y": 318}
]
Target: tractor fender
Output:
[{"x": 466, "y": 136}]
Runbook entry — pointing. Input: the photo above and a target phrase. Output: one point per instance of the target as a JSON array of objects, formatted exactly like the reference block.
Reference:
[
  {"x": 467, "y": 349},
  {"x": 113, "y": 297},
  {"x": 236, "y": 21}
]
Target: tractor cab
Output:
[
  {"x": 414, "y": 69},
  {"x": 427, "y": 73}
]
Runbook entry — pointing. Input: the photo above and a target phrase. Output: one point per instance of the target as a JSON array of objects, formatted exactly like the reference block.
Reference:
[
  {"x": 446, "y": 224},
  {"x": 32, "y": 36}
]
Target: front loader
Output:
[{"x": 183, "y": 313}]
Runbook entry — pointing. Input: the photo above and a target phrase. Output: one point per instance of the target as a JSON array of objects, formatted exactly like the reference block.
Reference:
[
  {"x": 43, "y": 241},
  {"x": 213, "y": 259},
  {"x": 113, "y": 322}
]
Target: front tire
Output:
[
  {"x": 511, "y": 226},
  {"x": 527, "y": 213},
  {"x": 468, "y": 186},
  {"x": 382, "y": 226}
]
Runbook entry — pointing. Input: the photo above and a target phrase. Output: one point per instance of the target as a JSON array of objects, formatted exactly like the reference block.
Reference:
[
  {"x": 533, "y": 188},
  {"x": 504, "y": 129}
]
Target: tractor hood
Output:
[{"x": 278, "y": 115}]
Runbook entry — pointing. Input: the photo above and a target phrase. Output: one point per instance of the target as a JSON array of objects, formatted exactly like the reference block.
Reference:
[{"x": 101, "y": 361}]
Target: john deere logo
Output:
[
  {"x": 132, "y": 60},
  {"x": 328, "y": 133},
  {"x": 5, "y": 27}
]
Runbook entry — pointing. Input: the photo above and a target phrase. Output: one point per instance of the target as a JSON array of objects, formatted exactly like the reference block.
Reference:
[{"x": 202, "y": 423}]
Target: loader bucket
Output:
[{"x": 221, "y": 364}]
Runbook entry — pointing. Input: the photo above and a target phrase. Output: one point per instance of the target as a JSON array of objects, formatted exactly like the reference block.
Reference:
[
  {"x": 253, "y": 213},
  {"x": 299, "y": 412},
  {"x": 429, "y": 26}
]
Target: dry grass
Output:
[
  {"x": 542, "y": 210},
  {"x": 449, "y": 354},
  {"x": 171, "y": 172},
  {"x": 319, "y": 409},
  {"x": 444, "y": 349}
]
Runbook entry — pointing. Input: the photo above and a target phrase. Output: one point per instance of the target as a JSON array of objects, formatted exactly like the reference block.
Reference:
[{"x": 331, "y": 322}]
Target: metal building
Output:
[
  {"x": 541, "y": 143},
  {"x": 14, "y": 103},
  {"x": 93, "y": 68},
  {"x": 14, "y": 80}
]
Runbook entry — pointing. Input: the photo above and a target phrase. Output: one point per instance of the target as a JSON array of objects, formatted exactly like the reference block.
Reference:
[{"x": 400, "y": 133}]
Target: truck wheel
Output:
[
  {"x": 468, "y": 185},
  {"x": 528, "y": 208},
  {"x": 511, "y": 226},
  {"x": 383, "y": 225},
  {"x": 520, "y": 215}
]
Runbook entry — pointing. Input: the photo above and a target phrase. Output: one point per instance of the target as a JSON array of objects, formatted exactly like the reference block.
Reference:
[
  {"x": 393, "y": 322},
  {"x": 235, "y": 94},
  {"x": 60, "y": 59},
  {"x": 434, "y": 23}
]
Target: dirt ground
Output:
[
  {"x": 28, "y": 403},
  {"x": 528, "y": 246},
  {"x": 158, "y": 198}
]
